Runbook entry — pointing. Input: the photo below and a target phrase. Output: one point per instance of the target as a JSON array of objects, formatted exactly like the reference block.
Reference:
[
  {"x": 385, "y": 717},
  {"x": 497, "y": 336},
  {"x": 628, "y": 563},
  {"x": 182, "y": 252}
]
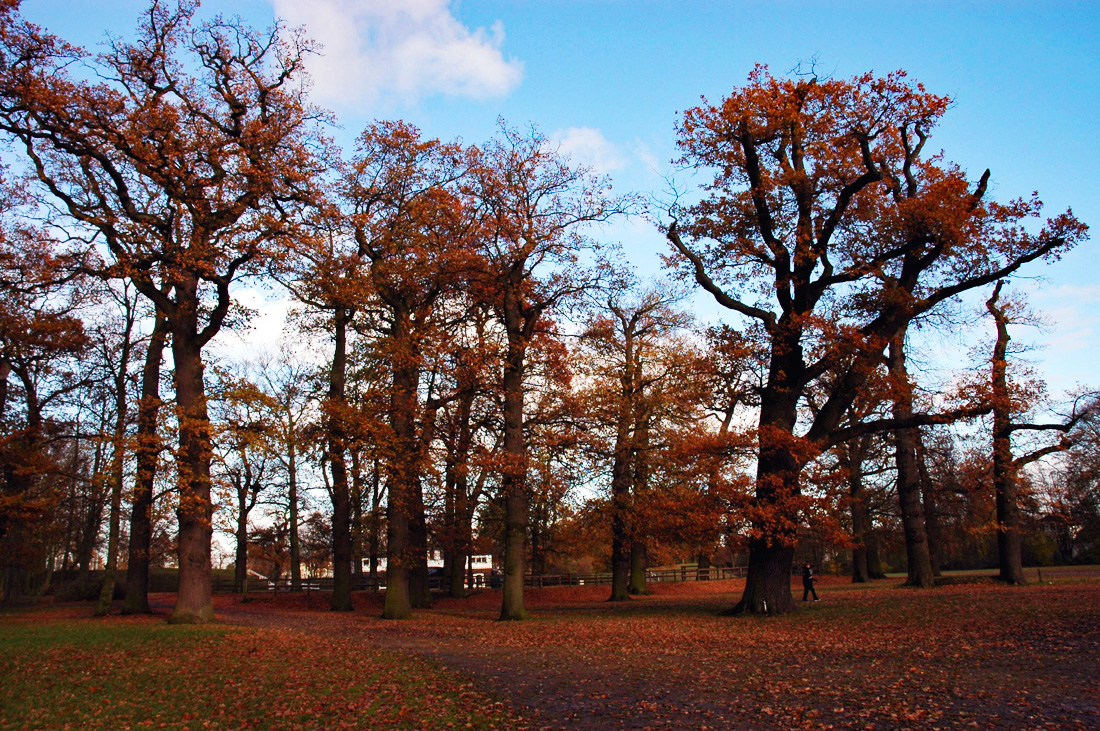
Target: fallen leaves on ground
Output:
[{"x": 976, "y": 655}]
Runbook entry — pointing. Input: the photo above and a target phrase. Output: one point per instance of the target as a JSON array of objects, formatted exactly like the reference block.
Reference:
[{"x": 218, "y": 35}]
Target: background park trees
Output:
[{"x": 467, "y": 371}]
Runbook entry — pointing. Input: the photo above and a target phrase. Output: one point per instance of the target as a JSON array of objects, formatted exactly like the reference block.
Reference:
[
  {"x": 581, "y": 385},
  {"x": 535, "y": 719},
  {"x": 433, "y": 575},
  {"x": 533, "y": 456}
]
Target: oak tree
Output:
[
  {"x": 824, "y": 223},
  {"x": 184, "y": 156},
  {"x": 535, "y": 207}
]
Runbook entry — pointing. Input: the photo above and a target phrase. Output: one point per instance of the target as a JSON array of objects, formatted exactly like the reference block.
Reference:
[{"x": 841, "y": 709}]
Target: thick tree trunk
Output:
[
  {"x": 875, "y": 569},
  {"x": 622, "y": 474},
  {"x": 908, "y": 480},
  {"x": 337, "y": 450},
  {"x": 771, "y": 553},
  {"x": 768, "y": 583},
  {"x": 420, "y": 593},
  {"x": 621, "y": 529},
  {"x": 194, "y": 602},
  {"x": 639, "y": 550},
  {"x": 148, "y": 449},
  {"x": 461, "y": 533},
  {"x": 514, "y": 483},
  {"x": 405, "y": 581}
]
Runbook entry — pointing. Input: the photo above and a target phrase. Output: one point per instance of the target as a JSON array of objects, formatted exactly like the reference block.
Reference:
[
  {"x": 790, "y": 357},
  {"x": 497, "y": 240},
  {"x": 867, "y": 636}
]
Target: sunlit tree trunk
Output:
[{"x": 194, "y": 601}]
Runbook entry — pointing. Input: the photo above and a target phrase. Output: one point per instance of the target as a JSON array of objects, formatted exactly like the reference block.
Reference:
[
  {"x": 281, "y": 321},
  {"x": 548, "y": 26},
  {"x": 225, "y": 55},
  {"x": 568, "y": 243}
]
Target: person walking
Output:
[{"x": 808, "y": 583}]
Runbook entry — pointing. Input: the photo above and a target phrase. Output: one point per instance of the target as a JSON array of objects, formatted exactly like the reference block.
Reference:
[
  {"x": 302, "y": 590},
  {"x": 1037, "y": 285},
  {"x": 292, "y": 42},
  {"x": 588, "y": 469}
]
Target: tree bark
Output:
[
  {"x": 854, "y": 453},
  {"x": 908, "y": 480},
  {"x": 293, "y": 517},
  {"x": 514, "y": 479},
  {"x": 148, "y": 449},
  {"x": 638, "y": 560},
  {"x": 194, "y": 601},
  {"x": 931, "y": 507},
  {"x": 771, "y": 550},
  {"x": 621, "y": 528},
  {"x": 240, "y": 567},
  {"x": 1009, "y": 537},
  {"x": 337, "y": 451},
  {"x": 403, "y": 477}
]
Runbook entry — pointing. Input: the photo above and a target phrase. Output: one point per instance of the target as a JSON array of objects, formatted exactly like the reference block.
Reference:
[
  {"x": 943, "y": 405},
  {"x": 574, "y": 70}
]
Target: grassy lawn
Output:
[{"x": 61, "y": 671}]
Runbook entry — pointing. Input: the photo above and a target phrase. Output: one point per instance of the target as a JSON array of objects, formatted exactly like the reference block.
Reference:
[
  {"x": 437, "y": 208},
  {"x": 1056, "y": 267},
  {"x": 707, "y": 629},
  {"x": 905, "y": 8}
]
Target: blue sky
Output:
[{"x": 607, "y": 78}]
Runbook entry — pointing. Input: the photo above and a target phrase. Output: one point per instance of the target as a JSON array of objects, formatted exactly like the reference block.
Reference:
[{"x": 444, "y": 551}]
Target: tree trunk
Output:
[
  {"x": 148, "y": 449},
  {"x": 1009, "y": 539},
  {"x": 194, "y": 602},
  {"x": 357, "y": 542},
  {"x": 122, "y": 402},
  {"x": 374, "y": 529},
  {"x": 420, "y": 593},
  {"x": 639, "y": 557},
  {"x": 337, "y": 450},
  {"x": 853, "y": 456},
  {"x": 768, "y": 583},
  {"x": 514, "y": 482},
  {"x": 638, "y": 560},
  {"x": 931, "y": 507},
  {"x": 240, "y": 568},
  {"x": 622, "y": 473},
  {"x": 292, "y": 528},
  {"x": 403, "y": 472},
  {"x": 908, "y": 480},
  {"x": 621, "y": 528},
  {"x": 93, "y": 517},
  {"x": 771, "y": 553}
]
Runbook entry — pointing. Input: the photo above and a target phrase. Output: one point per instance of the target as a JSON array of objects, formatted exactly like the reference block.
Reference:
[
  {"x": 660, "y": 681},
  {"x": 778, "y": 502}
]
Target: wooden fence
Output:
[{"x": 438, "y": 583}]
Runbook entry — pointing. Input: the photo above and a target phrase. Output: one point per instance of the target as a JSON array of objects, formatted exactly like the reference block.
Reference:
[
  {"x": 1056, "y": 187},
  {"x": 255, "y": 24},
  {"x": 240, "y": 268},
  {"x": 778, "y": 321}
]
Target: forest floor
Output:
[{"x": 877, "y": 656}]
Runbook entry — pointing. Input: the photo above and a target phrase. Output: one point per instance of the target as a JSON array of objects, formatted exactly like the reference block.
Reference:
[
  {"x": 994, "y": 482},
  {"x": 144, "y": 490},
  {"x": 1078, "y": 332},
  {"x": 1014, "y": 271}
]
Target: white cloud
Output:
[
  {"x": 408, "y": 49},
  {"x": 588, "y": 146}
]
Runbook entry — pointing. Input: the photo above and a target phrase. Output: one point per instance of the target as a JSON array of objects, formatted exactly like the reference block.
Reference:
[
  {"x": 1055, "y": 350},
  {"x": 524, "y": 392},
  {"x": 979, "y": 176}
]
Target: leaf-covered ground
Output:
[{"x": 973, "y": 655}]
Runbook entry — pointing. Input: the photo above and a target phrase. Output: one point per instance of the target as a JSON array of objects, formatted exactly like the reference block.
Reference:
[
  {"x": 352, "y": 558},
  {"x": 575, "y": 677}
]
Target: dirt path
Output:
[
  {"x": 545, "y": 684},
  {"x": 879, "y": 659}
]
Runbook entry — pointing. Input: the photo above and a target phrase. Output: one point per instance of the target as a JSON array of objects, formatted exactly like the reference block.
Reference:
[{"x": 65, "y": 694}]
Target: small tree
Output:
[{"x": 1010, "y": 402}]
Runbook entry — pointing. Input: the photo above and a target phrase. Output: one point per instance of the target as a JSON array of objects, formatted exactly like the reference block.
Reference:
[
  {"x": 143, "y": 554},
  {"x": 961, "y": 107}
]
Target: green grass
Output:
[{"x": 133, "y": 674}]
